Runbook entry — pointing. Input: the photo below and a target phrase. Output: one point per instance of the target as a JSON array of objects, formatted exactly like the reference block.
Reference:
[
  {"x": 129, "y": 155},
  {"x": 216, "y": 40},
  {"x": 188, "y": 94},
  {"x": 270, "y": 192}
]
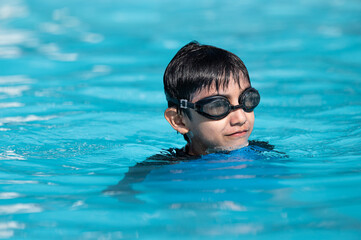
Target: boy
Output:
[
  {"x": 210, "y": 102},
  {"x": 210, "y": 99}
]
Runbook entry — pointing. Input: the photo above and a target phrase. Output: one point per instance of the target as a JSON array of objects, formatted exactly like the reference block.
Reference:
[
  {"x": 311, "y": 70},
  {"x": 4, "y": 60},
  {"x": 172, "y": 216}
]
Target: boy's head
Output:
[{"x": 210, "y": 99}]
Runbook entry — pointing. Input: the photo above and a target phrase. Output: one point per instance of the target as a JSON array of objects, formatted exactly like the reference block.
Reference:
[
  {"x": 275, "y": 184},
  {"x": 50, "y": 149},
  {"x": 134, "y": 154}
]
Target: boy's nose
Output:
[{"x": 238, "y": 117}]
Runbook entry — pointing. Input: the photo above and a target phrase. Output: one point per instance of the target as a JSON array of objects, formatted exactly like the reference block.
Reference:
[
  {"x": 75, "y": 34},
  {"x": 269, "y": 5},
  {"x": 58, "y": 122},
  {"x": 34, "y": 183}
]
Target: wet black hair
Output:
[{"x": 196, "y": 67}]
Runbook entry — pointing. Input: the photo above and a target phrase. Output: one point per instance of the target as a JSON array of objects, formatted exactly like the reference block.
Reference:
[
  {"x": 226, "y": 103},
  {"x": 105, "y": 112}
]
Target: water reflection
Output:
[
  {"x": 7, "y": 228},
  {"x": 52, "y": 50},
  {"x": 14, "y": 42},
  {"x": 13, "y": 9},
  {"x": 9, "y": 195}
]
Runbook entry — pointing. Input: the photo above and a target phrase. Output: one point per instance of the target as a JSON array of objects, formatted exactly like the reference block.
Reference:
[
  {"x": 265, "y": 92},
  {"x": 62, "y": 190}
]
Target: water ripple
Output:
[
  {"x": 14, "y": 91},
  {"x": 20, "y": 208},
  {"x": 9, "y": 195},
  {"x": 29, "y": 118},
  {"x": 10, "y": 155},
  {"x": 13, "y": 9},
  {"x": 7, "y": 228},
  {"x": 11, "y": 105},
  {"x": 16, "y": 79}
]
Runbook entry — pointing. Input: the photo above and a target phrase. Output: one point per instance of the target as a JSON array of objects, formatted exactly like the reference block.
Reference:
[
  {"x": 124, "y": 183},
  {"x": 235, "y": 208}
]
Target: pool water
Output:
[{"x": 82, "y": 102}]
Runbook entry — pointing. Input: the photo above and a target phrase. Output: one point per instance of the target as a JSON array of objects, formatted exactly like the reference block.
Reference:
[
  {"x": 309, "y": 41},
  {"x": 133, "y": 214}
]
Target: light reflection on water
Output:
[{"x": 81, "y": 102}]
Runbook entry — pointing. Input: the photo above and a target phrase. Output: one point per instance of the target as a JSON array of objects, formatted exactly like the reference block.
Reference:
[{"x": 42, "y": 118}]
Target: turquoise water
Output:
[{"x": 81, "y": 102}]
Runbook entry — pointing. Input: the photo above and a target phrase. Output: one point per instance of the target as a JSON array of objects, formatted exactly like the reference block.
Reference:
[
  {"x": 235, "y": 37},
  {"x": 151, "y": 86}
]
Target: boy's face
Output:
[{"x": 232, "y": 132}]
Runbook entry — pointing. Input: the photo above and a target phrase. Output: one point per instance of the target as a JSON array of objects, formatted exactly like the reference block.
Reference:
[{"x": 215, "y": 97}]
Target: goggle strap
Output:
[{"x": 182, "y": 103}]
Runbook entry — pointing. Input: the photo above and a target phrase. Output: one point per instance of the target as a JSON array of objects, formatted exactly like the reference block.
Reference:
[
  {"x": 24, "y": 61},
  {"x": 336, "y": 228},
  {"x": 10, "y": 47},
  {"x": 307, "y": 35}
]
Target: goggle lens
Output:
[
  {"x": 250, "y": 99},
  {"x": 218, "y": 107}
]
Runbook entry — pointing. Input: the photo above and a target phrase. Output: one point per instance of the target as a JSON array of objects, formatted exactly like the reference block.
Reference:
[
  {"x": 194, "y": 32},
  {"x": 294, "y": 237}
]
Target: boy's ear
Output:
[{"x": 176, "y": 120}]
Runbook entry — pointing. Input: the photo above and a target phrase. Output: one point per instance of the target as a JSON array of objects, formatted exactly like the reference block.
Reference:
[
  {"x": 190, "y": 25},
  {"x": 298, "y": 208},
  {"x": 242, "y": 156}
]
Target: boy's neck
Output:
[{"x": 190, "y": 150}]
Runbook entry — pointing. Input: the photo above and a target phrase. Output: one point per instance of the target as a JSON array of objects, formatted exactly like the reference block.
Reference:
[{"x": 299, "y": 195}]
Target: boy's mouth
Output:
[{"x": 241, "y": 133}]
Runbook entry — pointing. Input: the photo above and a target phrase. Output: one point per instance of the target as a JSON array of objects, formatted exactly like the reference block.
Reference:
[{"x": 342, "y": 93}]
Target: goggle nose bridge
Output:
[{"x": 233, "y": 108}]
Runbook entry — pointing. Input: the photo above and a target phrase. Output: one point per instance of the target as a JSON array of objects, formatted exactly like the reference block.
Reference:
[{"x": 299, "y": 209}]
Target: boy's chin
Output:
[{"x": 226, "y": 148}]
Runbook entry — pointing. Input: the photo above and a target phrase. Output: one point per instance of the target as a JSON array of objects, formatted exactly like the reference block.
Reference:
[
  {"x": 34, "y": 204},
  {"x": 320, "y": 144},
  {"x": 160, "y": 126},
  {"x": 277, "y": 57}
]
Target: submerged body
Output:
[{"x": 173, "y": 161}]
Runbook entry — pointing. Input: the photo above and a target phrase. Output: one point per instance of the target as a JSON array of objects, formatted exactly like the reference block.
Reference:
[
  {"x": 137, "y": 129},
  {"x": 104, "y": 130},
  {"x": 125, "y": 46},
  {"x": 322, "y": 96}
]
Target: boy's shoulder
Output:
[
  {"x": 171, "y": 155},
  {"x": 261, "y": 144},
  {"x": 263, "y": 147},
  {"x": 179, "y": 154}
]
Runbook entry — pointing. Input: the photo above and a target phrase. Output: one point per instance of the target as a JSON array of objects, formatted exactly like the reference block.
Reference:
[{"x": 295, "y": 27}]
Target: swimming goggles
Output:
[{"x": 218, "y": 107}]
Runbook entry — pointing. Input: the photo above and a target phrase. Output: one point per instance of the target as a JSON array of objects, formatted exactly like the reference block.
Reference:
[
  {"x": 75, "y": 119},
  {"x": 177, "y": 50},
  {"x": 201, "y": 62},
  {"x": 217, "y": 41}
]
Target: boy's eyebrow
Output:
[
  {"x": 223, "y": 94},
  {"x": 218, "y": 94}
]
